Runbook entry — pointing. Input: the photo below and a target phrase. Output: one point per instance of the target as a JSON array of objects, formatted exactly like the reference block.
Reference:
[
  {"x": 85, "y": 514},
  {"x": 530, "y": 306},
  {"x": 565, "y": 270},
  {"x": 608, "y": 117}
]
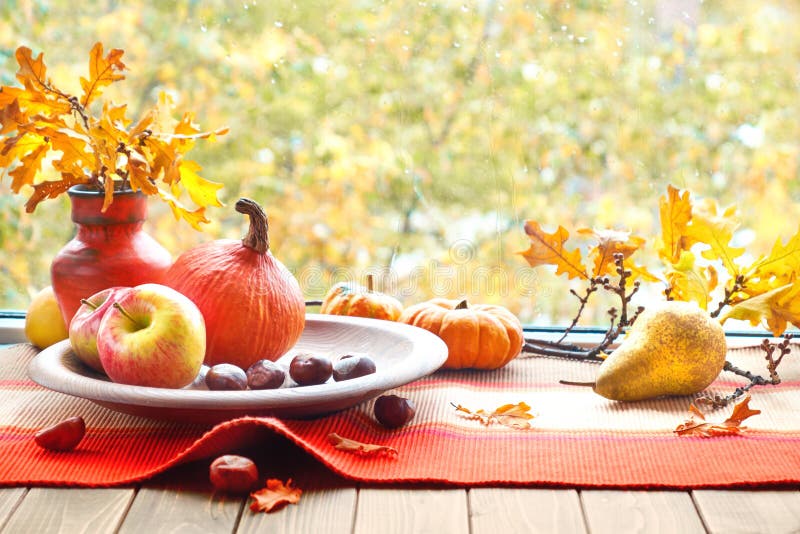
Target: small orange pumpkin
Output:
[
  {"x": 481, "y": 336},
  {"x": 348, "y": 298}
]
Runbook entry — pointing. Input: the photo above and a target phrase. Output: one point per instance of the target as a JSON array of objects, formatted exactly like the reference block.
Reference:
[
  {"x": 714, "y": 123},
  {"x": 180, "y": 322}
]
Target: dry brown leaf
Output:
[
  {"x": 357, "y": 447},
  {"x": 510, "y": 415},
  {"x": 274, "y": 496},
  {"x": 696, "y": 424}
]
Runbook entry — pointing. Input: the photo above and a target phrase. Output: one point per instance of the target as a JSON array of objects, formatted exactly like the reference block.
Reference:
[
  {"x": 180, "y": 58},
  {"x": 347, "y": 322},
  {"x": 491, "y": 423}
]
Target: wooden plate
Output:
[{"x": 402, "y": 354}]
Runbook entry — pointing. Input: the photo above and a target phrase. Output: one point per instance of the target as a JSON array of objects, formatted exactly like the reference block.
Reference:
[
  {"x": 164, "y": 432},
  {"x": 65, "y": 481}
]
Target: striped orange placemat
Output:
[{"x": 577, "y": 439}]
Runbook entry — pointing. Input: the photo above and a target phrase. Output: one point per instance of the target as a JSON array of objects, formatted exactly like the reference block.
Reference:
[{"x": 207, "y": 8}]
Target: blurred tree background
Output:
[{"x": 412, "y": 139}]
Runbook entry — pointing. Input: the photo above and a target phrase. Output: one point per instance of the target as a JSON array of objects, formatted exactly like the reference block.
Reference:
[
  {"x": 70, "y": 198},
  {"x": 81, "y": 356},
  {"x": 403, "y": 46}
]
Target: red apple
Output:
[
  {"x": 84, "y": 325},
  {"x": 152, "y": 336}
]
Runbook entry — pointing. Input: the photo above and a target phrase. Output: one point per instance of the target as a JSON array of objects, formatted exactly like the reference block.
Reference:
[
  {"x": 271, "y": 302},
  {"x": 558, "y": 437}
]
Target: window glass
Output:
[{"x": 413, "y": 139}]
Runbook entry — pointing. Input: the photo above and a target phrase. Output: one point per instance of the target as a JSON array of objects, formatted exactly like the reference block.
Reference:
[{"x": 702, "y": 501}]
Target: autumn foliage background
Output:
[{"x": 413, "y": 139}]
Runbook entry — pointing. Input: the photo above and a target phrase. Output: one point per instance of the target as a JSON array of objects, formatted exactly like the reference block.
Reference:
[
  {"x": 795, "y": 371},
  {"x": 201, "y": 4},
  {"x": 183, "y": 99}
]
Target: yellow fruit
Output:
[
  {"x": 674, "y": 348},
  {"x": 44, "y": 324}
]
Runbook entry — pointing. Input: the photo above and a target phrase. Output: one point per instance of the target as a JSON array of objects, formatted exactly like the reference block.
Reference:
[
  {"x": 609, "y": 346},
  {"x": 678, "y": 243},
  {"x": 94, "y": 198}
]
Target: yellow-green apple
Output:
[
  {"x": 152, "y": 336},
  {"x": 84, "y": 325}
]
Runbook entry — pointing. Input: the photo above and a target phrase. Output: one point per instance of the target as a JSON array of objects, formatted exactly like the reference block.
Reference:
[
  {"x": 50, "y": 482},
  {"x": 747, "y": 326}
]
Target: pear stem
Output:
[
  {"x": 571, "y": 383},
  {"x": 87, "y": 303},
  {"x": 128, "y": 315}
]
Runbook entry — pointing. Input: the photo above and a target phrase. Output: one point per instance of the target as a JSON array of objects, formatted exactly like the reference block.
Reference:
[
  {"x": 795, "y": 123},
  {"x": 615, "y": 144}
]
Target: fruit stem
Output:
[
  {"x": 128, "y": 315},
  {"x": 462, "y": 305},
  {"x": 570, "y": 383},
  {"x": 87, "y": 303},
  {"x": 257, "y": 237},
  {"x": 370, "y": 282}
]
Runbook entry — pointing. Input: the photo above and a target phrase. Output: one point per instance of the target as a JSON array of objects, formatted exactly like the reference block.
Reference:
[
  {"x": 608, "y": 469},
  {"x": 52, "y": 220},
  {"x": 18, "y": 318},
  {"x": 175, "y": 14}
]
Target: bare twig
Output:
[
  {"x": 769, "y": 348},
  {"x": 619, "y": 319},
  {"x": 593, "y": 285},
  {"x": 738, "y": 285}
]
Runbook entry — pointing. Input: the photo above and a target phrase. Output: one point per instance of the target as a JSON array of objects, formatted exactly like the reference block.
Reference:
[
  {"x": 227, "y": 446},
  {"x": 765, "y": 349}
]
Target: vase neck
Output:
[{"x": 127, "y": 208}]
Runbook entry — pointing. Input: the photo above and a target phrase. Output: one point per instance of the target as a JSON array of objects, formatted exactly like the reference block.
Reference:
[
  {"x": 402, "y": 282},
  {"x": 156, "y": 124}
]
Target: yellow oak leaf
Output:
[
  {"x": 32, "y": 72},
  {"x": 30, "y": 165},
  {"x": 610, "y": 242},
  {"x": 51, "y": 189},
  {"x": 639, "y": 271},
  {"x": 715, "y": 229},
  {"x": 139, "y": 176},
  {"x": 193, "y": 217},
  {"x": 548, "y": 249},
  {"x": 777, "y": 307},
  {"x": 690, "y": 282},
  {"x": 675, "y": 212},
  {"x": 202, "y": 192},
  {"x": 10, "y": 116},
  {"x": 103, "y": 71},
  {"x": 782, "y": 262}
]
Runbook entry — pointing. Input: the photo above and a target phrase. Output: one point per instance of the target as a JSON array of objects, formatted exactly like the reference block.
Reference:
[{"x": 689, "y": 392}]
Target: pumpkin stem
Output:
[
  {"x": 257, "y": 237},
  {"x": 370, "y": 282},
  {"x": 462, "y": 305}
]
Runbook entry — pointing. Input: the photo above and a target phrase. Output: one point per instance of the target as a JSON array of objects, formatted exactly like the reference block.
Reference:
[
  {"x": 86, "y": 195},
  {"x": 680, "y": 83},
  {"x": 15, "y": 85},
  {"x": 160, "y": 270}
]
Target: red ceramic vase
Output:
[{"x": 109, "y": 249}]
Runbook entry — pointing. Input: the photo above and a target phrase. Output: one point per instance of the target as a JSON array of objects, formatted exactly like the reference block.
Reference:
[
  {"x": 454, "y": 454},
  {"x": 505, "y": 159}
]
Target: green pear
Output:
[{"x": 673, "y": 348}]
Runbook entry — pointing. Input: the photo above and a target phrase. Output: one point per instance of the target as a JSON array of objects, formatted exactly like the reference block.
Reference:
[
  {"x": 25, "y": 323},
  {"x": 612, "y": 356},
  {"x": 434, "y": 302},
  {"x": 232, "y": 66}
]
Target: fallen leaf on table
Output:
[
  {"x": 510, "y": 415},
  {"x": 357, "y": 447},
  {"x": 696, "y": 424},
  {"x": 274, "y": 496}
]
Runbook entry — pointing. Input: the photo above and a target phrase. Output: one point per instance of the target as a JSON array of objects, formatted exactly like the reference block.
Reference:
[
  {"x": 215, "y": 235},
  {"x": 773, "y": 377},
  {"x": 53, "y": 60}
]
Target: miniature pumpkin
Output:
[
  {"x": 481, "y": 336},
  {"x": 347, "y": 298},
  {"x": 251, "y": 303}
]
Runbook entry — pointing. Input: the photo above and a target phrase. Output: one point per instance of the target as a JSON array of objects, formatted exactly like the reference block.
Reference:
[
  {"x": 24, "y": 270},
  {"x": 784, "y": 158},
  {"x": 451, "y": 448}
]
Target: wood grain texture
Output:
[
  {"x": 749, "y": 511},
  {"x": 70, "y": 510},
  {"x": 330, "y": 511},
  {"x": 9, "y": 500},
  {"x": 649, "y": 512},
  {"x": 510, "y": 510},
  {"x": 182, "y": 499},
  {"x": 162, "y": 510},
  {"x": 422, "y": 511}
]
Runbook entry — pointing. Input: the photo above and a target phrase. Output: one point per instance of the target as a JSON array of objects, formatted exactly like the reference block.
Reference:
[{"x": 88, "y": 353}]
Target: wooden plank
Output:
[
  {"x": 9, "y": 500},
  {"x": 182, "y": 500},
  {"x": 749, "y": 511},
  {"x": 70, "y": 510},
  {"x": 640, "y": 511},
  {"x": 388, "y": 510},
  {"x": 508, "y": 510},
  {"x": 328, "y": 510},
  {"x": 327, "y": 504}
]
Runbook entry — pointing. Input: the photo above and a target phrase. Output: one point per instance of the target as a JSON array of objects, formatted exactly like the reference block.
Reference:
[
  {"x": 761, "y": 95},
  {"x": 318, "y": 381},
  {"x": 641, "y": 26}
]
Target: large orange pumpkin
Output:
[
  {"x": 252, "y": 304},
  {"x": 348, "y": 298},
  {"x": 481, "y": 336}
]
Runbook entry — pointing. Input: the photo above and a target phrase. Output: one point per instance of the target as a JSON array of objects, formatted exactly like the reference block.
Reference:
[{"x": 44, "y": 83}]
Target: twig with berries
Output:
[
  {"x": 620, "y": 319},
  {"x": 774, "y": 353}
]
